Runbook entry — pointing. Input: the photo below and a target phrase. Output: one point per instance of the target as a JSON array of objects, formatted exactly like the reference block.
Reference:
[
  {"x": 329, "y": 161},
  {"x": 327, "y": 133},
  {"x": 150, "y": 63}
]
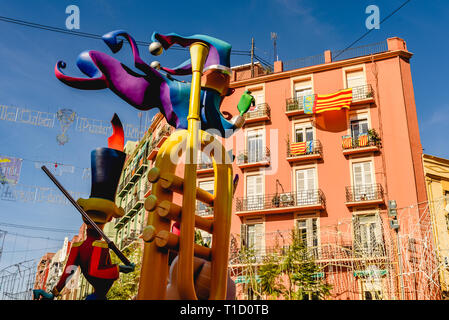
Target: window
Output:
[
  {"x": 368, "y": 239},
  {"x": 303, "y": 88},
  {"x": 371, "y": 288},
  {"x": 255, "y": 145},
  {"x": 202, "y": 208},
  {"x": 358, "y": 127},
  {"x": 305, "y": 187},
  {"x": 252, "y": 235},
  {"x": 363, "y": 181},
  {"x": 355, "y": 78},
  {"x": 308, "y": 233},
  {"x": 254, "y": 192},
  {"x": 303, "y": 133},
  {"x": 259, "y": 98}
]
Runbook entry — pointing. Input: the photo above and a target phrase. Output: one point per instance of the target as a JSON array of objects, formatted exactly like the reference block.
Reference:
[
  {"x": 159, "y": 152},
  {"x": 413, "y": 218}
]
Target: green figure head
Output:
[{"x": 245, "y": 102}]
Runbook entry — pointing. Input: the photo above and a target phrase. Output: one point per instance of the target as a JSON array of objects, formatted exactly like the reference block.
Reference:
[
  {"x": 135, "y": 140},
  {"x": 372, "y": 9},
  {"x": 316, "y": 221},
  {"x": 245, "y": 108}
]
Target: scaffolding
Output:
[
  {"x": 17, "y": 281},
  {"x": 363, "y": 257}
]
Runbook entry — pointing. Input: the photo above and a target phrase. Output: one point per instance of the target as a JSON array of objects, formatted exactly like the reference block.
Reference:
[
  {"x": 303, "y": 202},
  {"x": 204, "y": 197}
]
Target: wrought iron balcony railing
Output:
[
  {"x": 203, "y": 166},
  {"x": 304, "y": 148},
  {"x": 362, "y": 92},
  {"x": 253, "y": 156},
  {"x": 361, "y": 141},
  {"x": 365, "y": 192},
  {"x": 204, "y": 210},
  {"x": 359, "y": 93},
  {"x": 295, "y": 104},
  {"x": 262, "y": 110},
  {"x": 282, "y": 200}
]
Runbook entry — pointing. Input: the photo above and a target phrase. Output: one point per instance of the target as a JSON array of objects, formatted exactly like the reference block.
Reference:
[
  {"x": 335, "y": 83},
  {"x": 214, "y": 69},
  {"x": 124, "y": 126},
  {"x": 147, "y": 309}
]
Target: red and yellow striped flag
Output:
[
  {"x": 334, "y": 101},
  {"x": 363, "y": 140},
  {"x": 298, "y": 148},
  {"x": 347, "y": 142}
]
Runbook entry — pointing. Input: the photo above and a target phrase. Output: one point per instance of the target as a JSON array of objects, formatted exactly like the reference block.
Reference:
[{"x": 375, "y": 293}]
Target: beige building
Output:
[{"x": 437, "y": 182}]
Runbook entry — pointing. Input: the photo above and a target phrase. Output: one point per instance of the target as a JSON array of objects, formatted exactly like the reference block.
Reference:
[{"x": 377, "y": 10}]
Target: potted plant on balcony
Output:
[
  {"x": 276, "y": 200},
  {"x": 374, "y": 137},
  {"x": 242, "y": 158}
]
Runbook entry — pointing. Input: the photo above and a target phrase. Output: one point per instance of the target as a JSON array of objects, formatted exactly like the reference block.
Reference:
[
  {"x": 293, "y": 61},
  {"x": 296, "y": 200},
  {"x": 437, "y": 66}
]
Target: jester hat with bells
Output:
[{"x": 106, "y": 168}]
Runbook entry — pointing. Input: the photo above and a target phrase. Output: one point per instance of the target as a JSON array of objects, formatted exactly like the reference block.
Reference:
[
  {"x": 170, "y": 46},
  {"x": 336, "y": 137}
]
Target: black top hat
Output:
[{"x": 106, "y": 166}]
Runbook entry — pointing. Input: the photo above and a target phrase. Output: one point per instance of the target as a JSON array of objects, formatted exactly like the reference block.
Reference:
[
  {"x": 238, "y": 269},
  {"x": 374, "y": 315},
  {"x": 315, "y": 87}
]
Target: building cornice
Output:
[{"x": 322, "y": 67}]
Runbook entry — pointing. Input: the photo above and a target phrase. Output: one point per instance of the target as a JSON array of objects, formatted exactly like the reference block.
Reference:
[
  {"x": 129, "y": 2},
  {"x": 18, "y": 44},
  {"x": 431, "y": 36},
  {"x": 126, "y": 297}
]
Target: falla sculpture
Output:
[
  {"x": 197, "y": 272},
  {"x": 152, "y": 88}
]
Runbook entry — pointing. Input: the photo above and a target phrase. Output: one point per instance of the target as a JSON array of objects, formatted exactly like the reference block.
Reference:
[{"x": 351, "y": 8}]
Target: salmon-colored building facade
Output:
[
  {"x": 340, "y": 181},
  {"x": 335, "y": 190}
]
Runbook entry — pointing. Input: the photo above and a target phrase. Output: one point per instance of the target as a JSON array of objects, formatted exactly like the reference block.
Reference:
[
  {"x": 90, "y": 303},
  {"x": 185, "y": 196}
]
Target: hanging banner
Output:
[
  {"x": 334, "y": 101},
  {"x": 10, "y": 169}
]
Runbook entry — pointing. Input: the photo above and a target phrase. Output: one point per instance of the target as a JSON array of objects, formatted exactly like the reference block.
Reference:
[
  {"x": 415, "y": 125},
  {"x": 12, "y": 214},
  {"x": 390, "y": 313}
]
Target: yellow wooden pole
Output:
[{"x": 198, "y": 54}]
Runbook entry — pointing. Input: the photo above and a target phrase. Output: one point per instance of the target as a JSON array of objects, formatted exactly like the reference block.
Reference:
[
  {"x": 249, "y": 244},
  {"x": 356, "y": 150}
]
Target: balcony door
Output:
[
  {"x": 255, "y": 145},
  {"x": 259, "y": 99},
  {"x": 253, "y": 238},
  {"x": 305, "y": 187},
  {"x": 202, "y": 208},
  {"x": 363, "y": 182},
  {"x": 356, "y": 81},
  {"x": 303, "y": 88},
  {"x": 358, "y": 127},
  {"x": 255, "y": 192},
  {"x": 303, "y": 133},
  {"x": 368, "y": 239}
]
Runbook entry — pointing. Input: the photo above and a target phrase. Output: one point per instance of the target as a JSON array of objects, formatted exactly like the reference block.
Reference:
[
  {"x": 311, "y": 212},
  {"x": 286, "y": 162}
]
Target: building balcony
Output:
[
  {"x": 125, "y": 185},
  {"x": 252, "y": 159},
  {"x": 139, "y": 168},
  {"x": 362, "y": 94},
  {"x": 204, "y": 211},
  {"x": 294, "y": 106},
  {"x": 130, "y": 238},
  {"x": 262, "y": 112},
  {"x": 367, "y": 194},
  {"x": 137, "y": 202},
  {"x": 157, "y": 142},
  {"x": 205, "y": 168},
  {"x": 301, "y": 151},
  {"x": 360, "y": 144},
  {"x": 302, "y": 200},
  {"x": 121, "y": 221},
  {"x": 148, "y": 186}
]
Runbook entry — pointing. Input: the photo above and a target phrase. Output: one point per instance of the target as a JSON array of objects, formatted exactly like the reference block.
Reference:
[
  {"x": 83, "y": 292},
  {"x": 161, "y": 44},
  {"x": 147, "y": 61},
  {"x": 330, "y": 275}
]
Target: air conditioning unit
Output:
[{"x": 286, "y": 198}]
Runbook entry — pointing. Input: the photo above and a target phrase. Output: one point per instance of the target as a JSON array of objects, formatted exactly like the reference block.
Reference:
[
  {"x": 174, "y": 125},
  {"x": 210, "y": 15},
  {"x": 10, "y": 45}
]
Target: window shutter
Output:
[
  {"x": 243, "y": 235},
  {"x": 357, "y": 233},
  {"x": 355, "y": 79},
  {"x": 259, "y": 235},
  {"x": 367, "y": 173}
]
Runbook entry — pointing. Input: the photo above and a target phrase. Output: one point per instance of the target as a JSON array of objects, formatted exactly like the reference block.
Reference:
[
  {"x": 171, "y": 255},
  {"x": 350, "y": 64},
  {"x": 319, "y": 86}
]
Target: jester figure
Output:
[
  {"x": 150, "y": 88},
  {"x": 92, "y": 254}
]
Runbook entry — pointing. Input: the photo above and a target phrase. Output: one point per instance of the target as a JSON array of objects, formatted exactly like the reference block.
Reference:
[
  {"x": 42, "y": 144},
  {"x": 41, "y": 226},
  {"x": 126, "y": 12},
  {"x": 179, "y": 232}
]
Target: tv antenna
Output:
[{"x": 274, "y": 37}]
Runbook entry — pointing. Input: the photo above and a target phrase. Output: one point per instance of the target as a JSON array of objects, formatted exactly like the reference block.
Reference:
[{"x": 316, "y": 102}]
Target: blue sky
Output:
[{"x": 304, "y": 28}]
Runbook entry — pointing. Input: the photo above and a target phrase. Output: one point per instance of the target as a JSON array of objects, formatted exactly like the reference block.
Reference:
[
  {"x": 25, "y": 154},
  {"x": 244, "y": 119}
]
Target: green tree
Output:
[
  {"x": 291, "y": 273},
  {"x": 127, "y": 285}
]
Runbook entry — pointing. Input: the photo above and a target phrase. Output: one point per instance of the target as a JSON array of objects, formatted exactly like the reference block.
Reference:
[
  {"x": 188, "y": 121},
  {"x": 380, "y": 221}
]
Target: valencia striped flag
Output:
[{"x": 334, "y": 101}]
